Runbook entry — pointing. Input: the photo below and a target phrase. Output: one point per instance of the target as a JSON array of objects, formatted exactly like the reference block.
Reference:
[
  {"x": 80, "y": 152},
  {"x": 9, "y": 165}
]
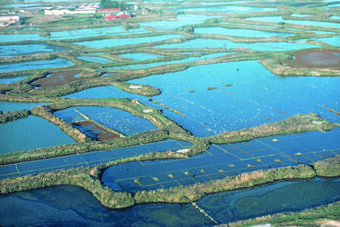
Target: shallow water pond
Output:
[
  {"x": 87, "y": 159},
  {"x": 239, "y": 32},
  {"x": 229, "y": 9},
  {"x": 95, "y": 59},
  {"x": 51, "y": 205},
  {"x": 91, "y": 32},
  {"x": 34, "y": 131},
  {"x": 181, "y": 20},
  {"x": 15, "y": 50},
  {"x": 58, "y": 62},
  {"x": 191, "y": 59},
  {"x": 270, "y": 199},
  {"x": 334, "y": 41},
  {"x": 253, "y": 96},
  {"x": 10, "y": 80},
  {"x": 11, "y": 106},
  {"x": 126, "y": 41},
  {"x": 119, "y": 120},
  {"x": 140, "y": 56},
  {"x": 225, "y": 160},
  {"x": 278, "y": 19},
  {"x": 20, "y": 37},
  {"x": 227, "y": 44}
]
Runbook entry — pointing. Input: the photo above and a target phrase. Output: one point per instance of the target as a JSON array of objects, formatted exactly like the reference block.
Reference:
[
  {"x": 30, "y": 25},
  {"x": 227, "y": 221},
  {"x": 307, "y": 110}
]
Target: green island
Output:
[{"x": 146, "y": 84}]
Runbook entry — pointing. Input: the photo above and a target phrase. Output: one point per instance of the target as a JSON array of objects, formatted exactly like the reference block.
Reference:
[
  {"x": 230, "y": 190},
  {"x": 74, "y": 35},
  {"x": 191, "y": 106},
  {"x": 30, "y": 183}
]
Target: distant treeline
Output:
[{"x": 106, "y": 4}]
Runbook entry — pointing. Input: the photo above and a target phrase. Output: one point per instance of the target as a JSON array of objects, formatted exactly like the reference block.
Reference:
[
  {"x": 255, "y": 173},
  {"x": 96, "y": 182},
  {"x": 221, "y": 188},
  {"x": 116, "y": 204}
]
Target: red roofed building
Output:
[
  {"x": 111, "y": 17},
  {"x": 124, "y": 16}
]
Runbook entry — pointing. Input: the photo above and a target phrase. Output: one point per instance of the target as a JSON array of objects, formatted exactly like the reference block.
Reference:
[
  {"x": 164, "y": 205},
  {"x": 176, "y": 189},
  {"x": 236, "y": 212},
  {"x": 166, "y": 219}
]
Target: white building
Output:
[
  {"x": 86, "y": 8},
  {"x": 11, "y": 18}
]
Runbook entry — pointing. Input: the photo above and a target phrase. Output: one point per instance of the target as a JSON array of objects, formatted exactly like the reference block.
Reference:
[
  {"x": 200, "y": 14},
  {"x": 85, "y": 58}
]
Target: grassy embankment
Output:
[{"x": 327, "y": 215}]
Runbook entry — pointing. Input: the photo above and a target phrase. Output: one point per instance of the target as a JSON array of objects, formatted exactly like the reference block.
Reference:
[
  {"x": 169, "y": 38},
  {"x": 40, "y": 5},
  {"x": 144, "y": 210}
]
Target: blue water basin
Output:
[
  {"x": 58, "y": 62},
  {"x": 120, "y": 121},
  {"x": 126, "y": 41},
  {"x": 30, "y": 133},
  {"x": 239, "y": 32},
  {"x": 215, "y": 43},
  {"x": 255, "y": 95}
]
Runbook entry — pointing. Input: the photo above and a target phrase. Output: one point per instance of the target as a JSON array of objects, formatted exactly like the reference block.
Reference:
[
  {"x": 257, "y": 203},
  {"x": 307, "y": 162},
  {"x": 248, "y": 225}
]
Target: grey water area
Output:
[{"x": 57, "y": 206}]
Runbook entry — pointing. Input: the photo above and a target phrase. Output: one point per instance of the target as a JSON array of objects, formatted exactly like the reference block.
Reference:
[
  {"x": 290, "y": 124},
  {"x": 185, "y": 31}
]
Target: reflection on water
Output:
[
  {"x": 30, "y": 133},
  {"x": 58, "y": 205}
]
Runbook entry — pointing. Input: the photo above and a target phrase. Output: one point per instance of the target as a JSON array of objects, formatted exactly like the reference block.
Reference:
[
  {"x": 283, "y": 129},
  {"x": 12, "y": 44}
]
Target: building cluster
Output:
[
  {"x": 114, "y": 13},
  {"x": 88, "y": 8},
  {"x": 10, "y": 19}
]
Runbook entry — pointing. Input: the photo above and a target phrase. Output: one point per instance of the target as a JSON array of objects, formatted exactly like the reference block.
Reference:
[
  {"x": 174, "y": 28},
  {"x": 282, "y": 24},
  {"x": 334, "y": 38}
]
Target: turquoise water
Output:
[
  {"x": 11, "y": 106},
  {"x": 18, "y": 5},
  {"x": 119, "y": 120},
  {"x": 58, "y": 205},
  {"x": 140, "y": 56},
  {"x": 14, "y": 50},
  {"x": 11, "y": 79},
  {"x": 182, "y": 20},
  {"x": 215, "y": 43},
  {"x": 83, "y": 33},
  {"x": 229, "y": 9},
  {"x": 254, "y": 90},
  {"x": 20, "y": 37},
  {"x": 58, "y": 62},
  {"x": 335, "y": 17},
  {"x": 126, "y": 41},
  {"x": 278, "y": 19},
  {"x": 332, "y": 6},
  {"x": 95, "y": 59},
  {"x": 34, "y": 131},
  {"x": 140, "y": 66},
  {"x": 334, "y": 41},
  {"x": 239, "y": 32}
]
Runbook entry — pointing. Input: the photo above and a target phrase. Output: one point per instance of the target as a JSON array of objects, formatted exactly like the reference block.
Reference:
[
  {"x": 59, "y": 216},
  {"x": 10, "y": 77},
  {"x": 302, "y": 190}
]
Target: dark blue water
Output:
[
  {"x": 226, "y": 160},
  {"x": 58, "y": 206}
]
